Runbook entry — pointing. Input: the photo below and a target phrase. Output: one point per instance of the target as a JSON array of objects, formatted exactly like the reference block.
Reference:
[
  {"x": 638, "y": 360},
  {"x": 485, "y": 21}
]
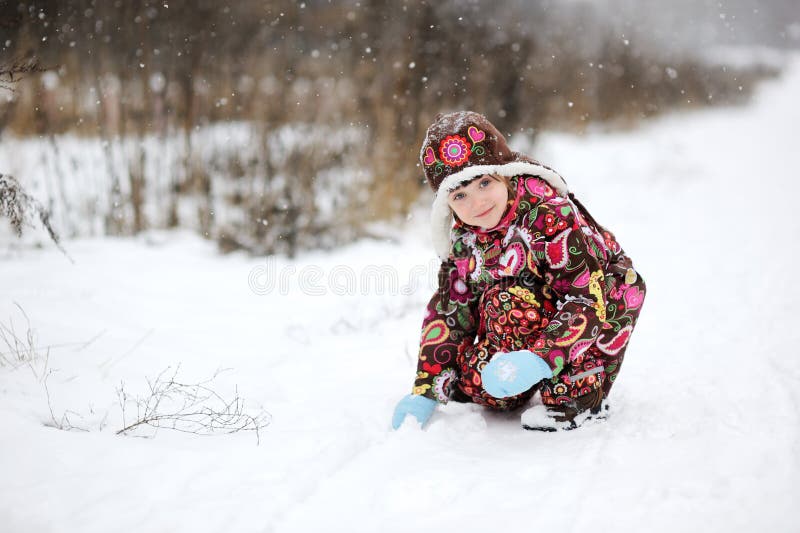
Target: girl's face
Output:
[{"x": 481, "y": 202}]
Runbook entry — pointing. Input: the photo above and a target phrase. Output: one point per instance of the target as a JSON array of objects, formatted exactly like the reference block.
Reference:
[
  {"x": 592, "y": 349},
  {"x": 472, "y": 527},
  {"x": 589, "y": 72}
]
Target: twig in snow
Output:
[
  {"x": 64, "y": 422},
  {"x": 188, "y": 407},
  {"x": 20, "y": 350},
  {"x": 23, "y": 351}
]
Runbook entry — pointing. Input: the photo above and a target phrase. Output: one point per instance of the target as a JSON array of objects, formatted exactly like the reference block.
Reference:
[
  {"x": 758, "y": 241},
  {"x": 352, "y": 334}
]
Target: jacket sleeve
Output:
[
  {"x": 571, "y": 265},
  {"x": 450, "y": 325}
]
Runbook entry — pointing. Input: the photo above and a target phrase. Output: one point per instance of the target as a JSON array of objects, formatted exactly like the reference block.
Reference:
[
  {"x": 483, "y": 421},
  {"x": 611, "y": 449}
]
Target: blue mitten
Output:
[
  {"x": 420, "y": 407},
  {"x": 512, "y": 373}
]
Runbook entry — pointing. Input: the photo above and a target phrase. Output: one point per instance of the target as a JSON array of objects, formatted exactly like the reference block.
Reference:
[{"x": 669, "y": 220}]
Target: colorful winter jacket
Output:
[{"x": 548, "y": 245}]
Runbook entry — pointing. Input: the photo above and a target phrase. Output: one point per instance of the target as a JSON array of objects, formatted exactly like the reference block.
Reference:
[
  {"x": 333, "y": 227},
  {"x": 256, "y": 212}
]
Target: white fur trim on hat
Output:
[{"x": 442, "y": 215}]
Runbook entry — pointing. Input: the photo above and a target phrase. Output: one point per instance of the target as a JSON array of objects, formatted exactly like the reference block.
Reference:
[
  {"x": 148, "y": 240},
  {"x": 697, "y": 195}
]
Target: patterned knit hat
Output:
[{"x": 459, "y": 147}]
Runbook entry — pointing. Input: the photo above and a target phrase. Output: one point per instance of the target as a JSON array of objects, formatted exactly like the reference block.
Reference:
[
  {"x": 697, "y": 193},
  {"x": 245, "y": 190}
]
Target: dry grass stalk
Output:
[
  {"x": 21, "y": 209},
  {"x": 194, "y": 408}
]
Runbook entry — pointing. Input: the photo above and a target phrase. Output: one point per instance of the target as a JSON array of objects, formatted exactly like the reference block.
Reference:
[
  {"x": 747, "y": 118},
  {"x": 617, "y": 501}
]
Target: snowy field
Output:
[{"x": 703, "y": 433}]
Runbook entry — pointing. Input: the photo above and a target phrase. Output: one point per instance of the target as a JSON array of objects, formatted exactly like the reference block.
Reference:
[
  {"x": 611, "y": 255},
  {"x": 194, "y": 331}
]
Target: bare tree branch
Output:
[{"x": 11, "y": 73}]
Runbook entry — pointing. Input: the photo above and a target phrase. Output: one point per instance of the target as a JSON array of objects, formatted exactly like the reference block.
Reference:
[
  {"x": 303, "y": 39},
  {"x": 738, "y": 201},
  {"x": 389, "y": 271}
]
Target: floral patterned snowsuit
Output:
[{"x": 548, "y": 279}]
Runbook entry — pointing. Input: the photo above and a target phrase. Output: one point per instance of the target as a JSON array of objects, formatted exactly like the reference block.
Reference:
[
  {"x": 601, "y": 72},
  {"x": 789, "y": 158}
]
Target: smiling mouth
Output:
[{"x": 485, "y": 212}]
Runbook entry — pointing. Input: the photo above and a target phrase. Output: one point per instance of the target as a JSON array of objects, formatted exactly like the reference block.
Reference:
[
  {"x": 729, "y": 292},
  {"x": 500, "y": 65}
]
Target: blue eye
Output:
[
  {"x": 458, "y": 196},
  {"x": 485, "y": 182}
]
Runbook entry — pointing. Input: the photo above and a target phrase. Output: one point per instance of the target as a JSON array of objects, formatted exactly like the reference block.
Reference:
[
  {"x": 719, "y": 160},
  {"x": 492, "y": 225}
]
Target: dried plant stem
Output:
[
  {"x": 22, "y": 351},
  {"x": 188, "y": 407},
  {"x": 21, "y": 209}
]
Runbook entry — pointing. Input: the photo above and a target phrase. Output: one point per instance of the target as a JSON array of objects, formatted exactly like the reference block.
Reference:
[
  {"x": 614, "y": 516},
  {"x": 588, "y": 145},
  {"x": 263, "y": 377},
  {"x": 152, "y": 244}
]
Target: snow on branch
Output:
[
  {"x": 21, "y": 209},
  {"x": 11, "y": 73}
]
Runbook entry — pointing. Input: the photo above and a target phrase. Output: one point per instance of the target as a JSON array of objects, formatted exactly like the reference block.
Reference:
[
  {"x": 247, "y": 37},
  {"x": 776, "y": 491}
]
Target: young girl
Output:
[{"x": 534, "y": 295}]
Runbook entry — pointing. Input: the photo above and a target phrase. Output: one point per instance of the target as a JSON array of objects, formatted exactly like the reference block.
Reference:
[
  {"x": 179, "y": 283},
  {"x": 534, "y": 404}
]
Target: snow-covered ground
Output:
[{"x": 704, "y": 428}]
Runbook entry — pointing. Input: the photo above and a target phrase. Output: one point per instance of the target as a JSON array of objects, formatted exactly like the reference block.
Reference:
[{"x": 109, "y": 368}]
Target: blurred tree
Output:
[{"x": 311, "y": 71}]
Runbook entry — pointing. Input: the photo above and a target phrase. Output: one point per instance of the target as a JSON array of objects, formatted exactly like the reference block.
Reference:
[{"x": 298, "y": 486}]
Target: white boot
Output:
[{"x": 567, "y": 416}]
